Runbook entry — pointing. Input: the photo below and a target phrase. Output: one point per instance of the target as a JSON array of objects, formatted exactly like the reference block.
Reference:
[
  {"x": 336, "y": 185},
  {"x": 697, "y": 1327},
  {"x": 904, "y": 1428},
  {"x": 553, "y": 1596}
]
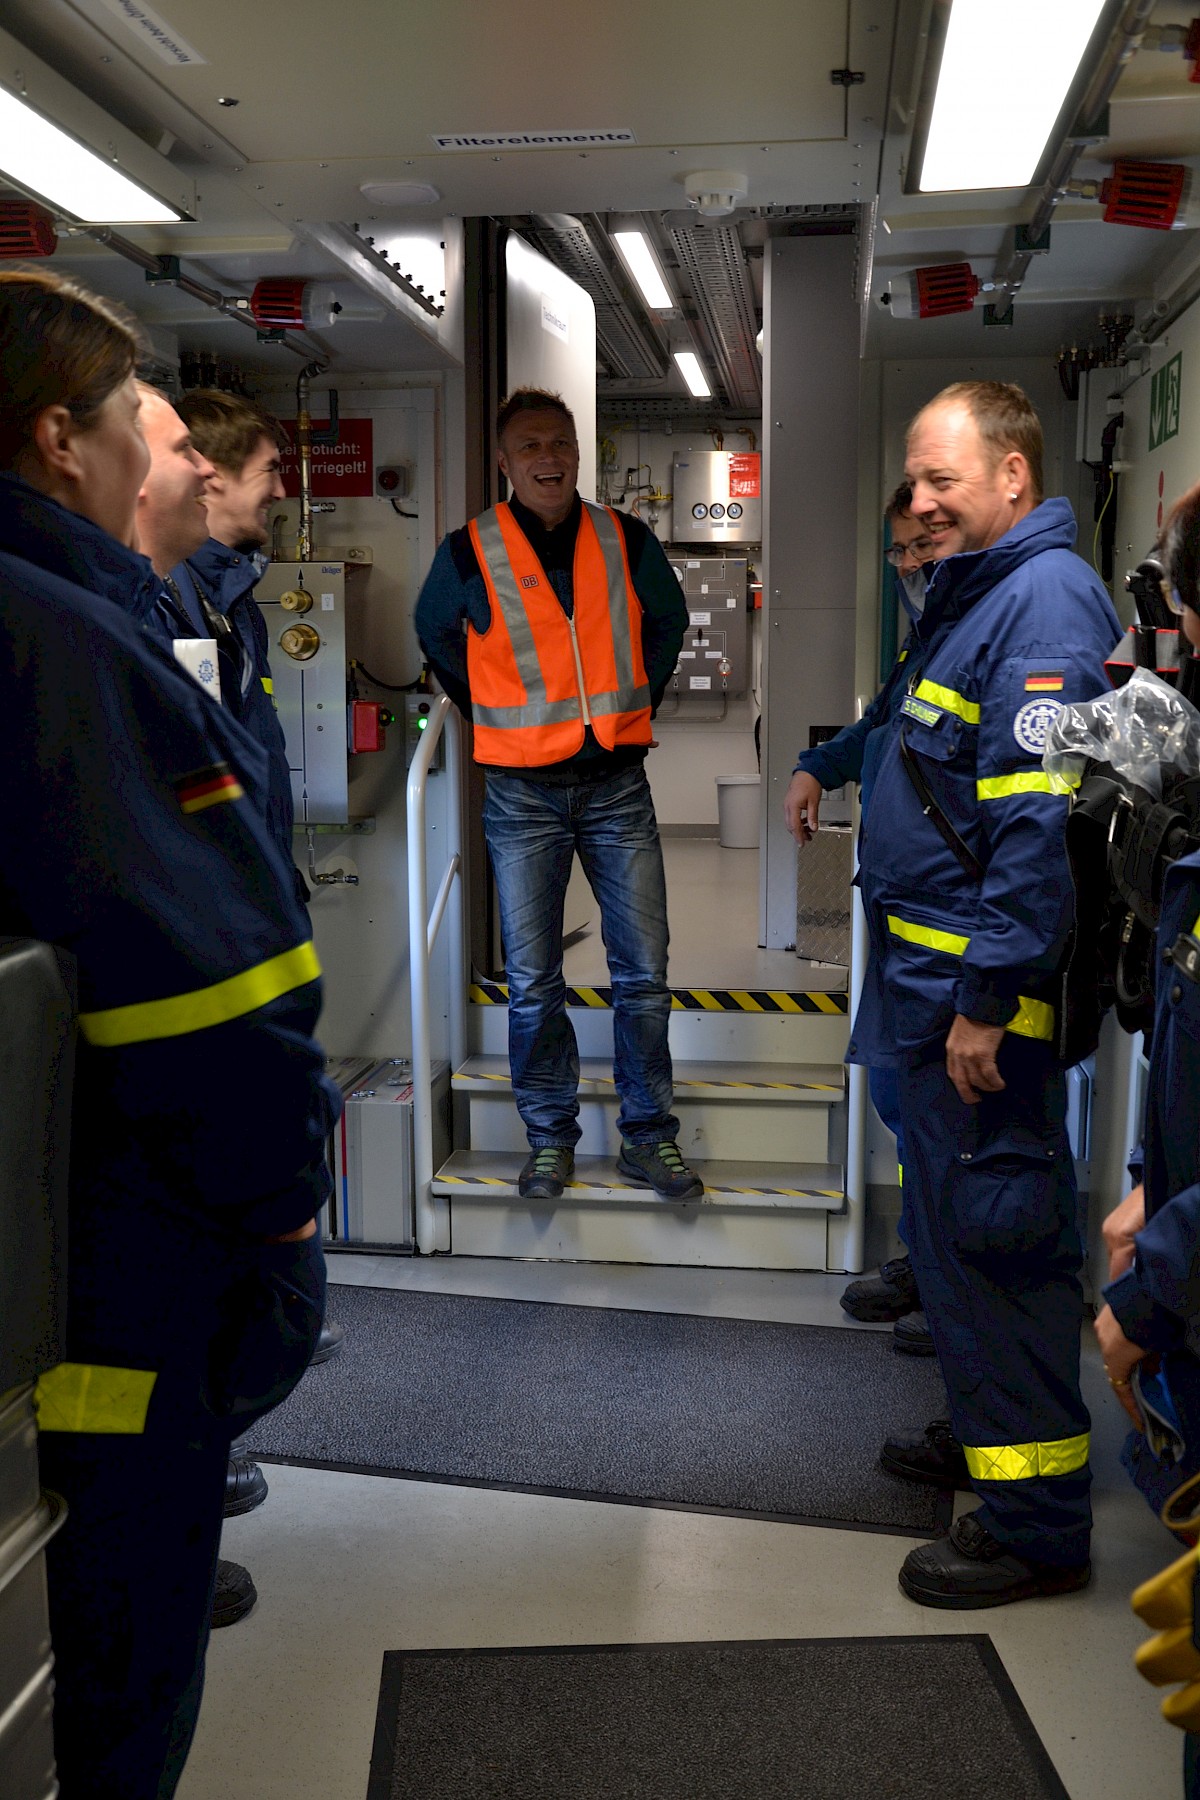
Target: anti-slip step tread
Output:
[
  {"x": 832, "y": 1002},
  {"x": 790, "y": 1083},
  {"x": 492, "y": 1175}
]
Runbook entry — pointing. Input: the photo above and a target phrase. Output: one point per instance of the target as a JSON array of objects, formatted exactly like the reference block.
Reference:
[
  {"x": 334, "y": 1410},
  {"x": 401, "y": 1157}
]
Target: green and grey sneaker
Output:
[
  {"x": 546, "y": 1173},
  {"x": 661, "y": 1167}
]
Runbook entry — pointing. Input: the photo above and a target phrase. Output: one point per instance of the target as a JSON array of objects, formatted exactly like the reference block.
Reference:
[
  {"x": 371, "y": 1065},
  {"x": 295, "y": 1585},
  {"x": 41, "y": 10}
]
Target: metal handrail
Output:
[
  {"x": 423, "y": 927},
  {"x": 854, "y": 1243}
]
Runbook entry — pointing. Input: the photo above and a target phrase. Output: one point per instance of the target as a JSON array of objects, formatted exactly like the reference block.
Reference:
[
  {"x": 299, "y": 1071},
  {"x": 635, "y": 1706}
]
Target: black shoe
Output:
[
  {"x": 972, "y": 1569},
  {"x": 661, "y": 1167},
  {"x": 245, "y": 1486},
  {"x": 934, "y": 1457},
  {"x": 235, "y": 1594},
  {"x": 328, "y": 1344},
  {"x": 912, "y": 1337},
  {"x": 888, "y": 1295},
  {"x": 546, "y": 1173}
]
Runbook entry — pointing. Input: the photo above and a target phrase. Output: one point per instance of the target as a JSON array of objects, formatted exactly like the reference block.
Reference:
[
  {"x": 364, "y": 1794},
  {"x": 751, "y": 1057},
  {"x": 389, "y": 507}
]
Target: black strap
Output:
[{"x": 963, "y": 853}]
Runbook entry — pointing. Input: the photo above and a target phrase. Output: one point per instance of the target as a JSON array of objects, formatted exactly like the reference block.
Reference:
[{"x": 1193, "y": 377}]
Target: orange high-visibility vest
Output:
[{"x": 539, "y": 679}]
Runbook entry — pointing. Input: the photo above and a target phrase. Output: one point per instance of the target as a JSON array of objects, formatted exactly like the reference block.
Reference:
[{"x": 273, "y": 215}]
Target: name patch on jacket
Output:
[
  {"x": 207, "y": 787},
  {"x": 1044, "y": 681},
  {"x": 920, "y": 709}
]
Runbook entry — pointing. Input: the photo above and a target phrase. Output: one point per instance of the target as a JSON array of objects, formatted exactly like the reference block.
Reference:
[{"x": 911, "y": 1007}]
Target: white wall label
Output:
[
  {"x": 700, "y": 618},
  {"x": 531, "y": 140},
  {"x": 155, "y": 33},
  {"x": 700, "y": 681},
  {"x": 327, "y": 602},
  {"x": 554, "y": 319}
]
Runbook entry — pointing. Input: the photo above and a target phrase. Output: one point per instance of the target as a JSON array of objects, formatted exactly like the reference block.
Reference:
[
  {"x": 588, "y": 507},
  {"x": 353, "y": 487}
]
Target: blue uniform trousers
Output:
[
  {"x": 131, "y": 1572},
  {"x": 990, "y": 1206}
]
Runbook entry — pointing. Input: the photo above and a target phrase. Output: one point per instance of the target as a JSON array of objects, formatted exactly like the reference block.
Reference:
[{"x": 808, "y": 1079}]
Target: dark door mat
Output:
[
  {"x": 657, "y": 1409},
  {"x": 892, "y": 1718}
]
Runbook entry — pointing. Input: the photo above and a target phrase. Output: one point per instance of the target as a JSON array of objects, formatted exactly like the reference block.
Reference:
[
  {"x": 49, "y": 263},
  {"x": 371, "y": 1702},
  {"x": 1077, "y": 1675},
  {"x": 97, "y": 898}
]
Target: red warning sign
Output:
[
  {"x": 345, "y": 468},
  {"x": 745, "y": 475}
]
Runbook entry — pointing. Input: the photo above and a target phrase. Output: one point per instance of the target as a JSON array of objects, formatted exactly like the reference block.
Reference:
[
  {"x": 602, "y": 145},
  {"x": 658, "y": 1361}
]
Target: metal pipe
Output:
[
  {"x": 854, "y": 1240},
  {"x": 432, "y": 1228},
  {"x": 304, "y": 537},
  {"x": 439, "y": 905},
  {"x": 231, "y": 306},
  {"x": 1122, "y": 45}
]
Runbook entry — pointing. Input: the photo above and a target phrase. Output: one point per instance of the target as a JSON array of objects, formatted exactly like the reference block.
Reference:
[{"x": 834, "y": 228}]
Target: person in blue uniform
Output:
[
  {"x": 201, "y": 1111},
  {"x": 968, "y": 900},
  {"x": 852, "y": 755},
  {"x": 1149, "y": 1325}
]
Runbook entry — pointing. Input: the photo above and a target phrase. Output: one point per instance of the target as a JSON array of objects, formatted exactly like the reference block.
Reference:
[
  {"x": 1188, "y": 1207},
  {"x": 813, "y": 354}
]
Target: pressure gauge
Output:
[{"x": 699, "y": 511}]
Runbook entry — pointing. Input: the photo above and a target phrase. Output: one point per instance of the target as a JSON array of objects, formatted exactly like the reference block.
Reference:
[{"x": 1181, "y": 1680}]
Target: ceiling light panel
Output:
[
  {"x": 1002, "y": 82},
  {"x": 63, "y": 149},
  {"x": 692, "y": 372},
  {"x": 644, "y": 266}
]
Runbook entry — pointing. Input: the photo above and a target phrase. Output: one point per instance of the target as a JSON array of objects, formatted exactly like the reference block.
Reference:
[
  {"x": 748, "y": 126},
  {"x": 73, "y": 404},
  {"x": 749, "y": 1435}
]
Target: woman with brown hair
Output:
[{"x": 194, "y": 1275}]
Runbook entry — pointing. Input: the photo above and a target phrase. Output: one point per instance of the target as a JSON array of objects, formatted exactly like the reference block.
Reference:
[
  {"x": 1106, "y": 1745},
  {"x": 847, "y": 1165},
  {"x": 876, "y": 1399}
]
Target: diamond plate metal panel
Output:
[{"x": 823, "y": 871}]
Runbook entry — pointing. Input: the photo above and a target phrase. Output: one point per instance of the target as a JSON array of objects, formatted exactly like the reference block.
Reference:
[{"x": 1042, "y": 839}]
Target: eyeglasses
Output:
[{"x": 921, "y": 549}]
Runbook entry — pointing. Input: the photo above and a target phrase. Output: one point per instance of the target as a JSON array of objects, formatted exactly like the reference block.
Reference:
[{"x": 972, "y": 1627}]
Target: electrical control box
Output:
[
  {"x": 714, "y": 661},
  {"x": 371, "y": 1150},
  {"x": 716, "y": 497},
  {"x": 304, "y": 605}
]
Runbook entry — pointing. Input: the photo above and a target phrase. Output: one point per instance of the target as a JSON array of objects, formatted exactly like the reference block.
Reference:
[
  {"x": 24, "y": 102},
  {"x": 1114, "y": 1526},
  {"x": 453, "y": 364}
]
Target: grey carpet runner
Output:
[
  {"x": 777, "y": 1421},
  {"x": 900, "y": 1718}
]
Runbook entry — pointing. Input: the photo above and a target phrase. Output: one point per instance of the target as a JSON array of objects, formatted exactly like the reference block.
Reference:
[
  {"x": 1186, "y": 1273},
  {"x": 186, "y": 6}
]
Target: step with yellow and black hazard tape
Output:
[{"x": 740, "y": 1000}]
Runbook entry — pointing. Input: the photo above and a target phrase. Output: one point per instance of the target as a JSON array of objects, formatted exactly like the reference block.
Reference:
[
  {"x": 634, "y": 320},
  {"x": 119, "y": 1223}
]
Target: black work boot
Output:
[
  {"x": 329, "y": 1343},
  {"x": 972, "y": 1569},
  {"x": 888, "y": 1295},
  {"x": 933, "y": 1456},
  {"x": 245, "y": 1485},
  {"x": 234, "y": 1596},
  {"x": 911, "y": 1336},
  {"x": 546, "y": 1173},
  {"x": 661, "y": 1167}
]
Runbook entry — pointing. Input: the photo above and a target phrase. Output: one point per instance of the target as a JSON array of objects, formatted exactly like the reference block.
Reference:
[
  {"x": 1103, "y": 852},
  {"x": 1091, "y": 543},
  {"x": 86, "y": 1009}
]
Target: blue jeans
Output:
[{"x": 533, "y": 831}]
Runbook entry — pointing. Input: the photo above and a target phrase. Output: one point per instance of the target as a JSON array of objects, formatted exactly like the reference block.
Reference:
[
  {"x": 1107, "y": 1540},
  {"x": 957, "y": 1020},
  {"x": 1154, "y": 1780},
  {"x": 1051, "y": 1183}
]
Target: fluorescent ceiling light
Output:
[
  {"x": 643, "y": 266},
  {"x": 1003, "y": 79},
  {"x": 693, "y": 374},
  {"x": 46, "y": 161}
]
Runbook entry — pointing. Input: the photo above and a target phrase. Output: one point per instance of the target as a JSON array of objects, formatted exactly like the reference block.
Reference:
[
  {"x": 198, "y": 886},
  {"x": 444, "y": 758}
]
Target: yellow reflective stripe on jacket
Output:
[
  {"x": 268, "y": 684},
  {"x": 92, "y": 1397},
  {"x": 1027, "y": 781},
  {"x": 949, "y": 941},
  {"x": 1032, "y": 1019},
  {"x": 949, "y": 701},
  {"x": 215, "y": 1005},
  {"x": 1025, "y": 1462}
]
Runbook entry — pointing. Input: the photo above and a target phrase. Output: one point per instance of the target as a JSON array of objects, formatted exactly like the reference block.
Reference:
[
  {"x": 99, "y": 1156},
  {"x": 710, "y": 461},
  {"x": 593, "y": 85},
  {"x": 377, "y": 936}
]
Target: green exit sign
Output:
[{"x": 1165, "y": 390}]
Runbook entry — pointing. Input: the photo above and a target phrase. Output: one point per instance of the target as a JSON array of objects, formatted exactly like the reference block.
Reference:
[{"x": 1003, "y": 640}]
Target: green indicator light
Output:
[{"x": 421, "y": 724}]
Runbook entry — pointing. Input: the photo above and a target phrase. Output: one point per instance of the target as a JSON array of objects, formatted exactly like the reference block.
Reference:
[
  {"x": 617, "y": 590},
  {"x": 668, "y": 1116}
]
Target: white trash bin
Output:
[{"x": 737, "y": 811}]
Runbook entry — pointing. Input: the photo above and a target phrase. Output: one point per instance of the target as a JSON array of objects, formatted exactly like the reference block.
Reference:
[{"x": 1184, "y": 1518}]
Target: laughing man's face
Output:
[{"x": 539, "y": 453}]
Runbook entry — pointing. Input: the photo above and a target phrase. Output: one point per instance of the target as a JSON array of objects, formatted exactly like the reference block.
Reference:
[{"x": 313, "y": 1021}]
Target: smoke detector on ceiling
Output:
[
  {"x": 399, "y": 193},
  {"x": 715, "y": 193}
]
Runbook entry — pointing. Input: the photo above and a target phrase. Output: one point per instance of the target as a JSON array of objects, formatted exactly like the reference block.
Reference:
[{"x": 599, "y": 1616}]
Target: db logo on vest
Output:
[{"x": 528, "y": 581}]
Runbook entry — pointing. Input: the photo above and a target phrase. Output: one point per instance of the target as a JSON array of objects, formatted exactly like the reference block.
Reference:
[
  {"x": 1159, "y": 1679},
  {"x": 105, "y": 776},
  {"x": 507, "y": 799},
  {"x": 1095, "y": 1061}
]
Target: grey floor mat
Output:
[
  {"x": 781, "y": 1421},
  {"x": 893, "y": 1718}
]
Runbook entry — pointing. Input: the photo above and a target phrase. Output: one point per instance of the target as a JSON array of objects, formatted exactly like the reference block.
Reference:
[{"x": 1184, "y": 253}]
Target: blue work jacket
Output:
[
  {"x": 1157, "y": 1301},
  {"x": 227, "y": 578},
  {"x": 854, "y": 753},
  {"x": 1012, "y": 633},
  {"x": 201, "y": 1109}
]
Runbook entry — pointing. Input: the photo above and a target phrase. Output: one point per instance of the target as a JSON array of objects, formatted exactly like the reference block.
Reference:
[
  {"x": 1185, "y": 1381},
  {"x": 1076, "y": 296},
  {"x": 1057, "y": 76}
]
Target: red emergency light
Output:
[
  {"x": 26, "y": 230},
  {"x": 1149, "y": 194},
  {"x": 277, "y": 303}
]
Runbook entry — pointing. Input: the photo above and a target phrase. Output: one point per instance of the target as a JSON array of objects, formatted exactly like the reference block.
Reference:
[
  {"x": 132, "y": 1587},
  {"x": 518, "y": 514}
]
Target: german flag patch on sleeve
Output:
[
  {"x": 1044, "y": 681},
  {"x": 207, "y": 787}
]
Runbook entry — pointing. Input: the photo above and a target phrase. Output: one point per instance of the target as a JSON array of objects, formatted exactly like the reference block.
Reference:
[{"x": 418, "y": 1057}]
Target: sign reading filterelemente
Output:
[{"x": 346, "y": 468}]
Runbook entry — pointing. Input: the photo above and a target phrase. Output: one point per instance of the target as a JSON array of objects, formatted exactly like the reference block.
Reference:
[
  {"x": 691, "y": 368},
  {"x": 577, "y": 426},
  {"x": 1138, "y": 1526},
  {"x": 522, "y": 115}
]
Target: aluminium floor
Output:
[{"x": 349, "y": 1567}]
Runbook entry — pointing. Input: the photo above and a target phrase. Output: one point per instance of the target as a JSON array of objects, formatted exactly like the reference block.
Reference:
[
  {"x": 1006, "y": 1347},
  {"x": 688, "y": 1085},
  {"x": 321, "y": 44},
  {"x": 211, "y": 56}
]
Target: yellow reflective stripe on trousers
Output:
[
  {"x": 1025, "y": 1462},
  {"x": 1028, "y": 781},
  {"x": 948, "y": 700},
  {"x": 947, "y": 941},
  {"x": 93, "y": 1397},
  {"x": 1032, "y": 1019},
  {"x": 216, "y": 1005}
]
